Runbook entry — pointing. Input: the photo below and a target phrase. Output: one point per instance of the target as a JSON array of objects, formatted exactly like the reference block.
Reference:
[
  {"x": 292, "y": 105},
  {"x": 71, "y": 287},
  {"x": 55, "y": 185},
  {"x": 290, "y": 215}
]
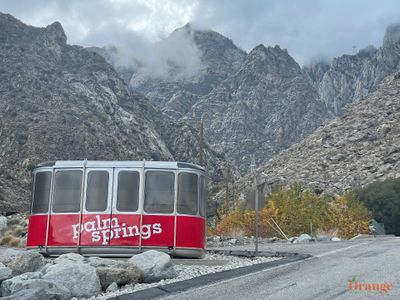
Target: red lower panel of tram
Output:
[{"x": 103, "y": 230}]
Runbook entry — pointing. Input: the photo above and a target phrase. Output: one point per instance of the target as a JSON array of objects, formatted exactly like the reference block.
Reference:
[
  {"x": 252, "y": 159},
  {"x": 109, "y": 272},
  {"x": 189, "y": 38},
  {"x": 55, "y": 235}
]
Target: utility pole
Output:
[
  {"x": 227, "y": 176},
  {"x": 252, "y": 167}
]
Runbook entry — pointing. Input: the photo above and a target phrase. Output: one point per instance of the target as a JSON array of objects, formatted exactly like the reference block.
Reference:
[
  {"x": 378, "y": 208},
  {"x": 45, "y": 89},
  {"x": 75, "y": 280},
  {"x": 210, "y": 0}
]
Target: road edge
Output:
[{"x": 180, "y": 286}]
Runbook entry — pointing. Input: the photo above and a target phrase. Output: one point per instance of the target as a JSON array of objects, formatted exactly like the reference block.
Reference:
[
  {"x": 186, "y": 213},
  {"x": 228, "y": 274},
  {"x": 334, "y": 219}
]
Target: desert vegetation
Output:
[{"x": 294, "y": 211}]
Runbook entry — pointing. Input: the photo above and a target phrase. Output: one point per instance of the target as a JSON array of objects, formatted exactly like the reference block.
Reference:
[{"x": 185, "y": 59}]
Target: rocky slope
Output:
[
  {"x": 266, "y": 106},
  {"x": 350, "y": 151},
  {"x": 352, "y": 77},
  {"x": 63, "y": 102}
]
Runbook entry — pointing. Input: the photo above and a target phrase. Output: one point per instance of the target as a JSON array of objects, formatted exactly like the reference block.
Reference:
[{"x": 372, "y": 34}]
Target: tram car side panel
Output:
[
  {"x": 190, "y": 232},
  {"x": 37, "y": 230},
  {"x": 63, "y": 230},
  {"x": 158, "y": 231},
  {"x": 125, "y": 230}
]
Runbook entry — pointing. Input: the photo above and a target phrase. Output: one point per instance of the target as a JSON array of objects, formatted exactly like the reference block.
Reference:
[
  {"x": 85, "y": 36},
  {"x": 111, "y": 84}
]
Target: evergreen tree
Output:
[{"x": 383, "y": 199}]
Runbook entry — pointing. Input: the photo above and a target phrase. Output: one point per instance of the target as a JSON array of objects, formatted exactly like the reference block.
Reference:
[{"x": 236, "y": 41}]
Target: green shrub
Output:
[{"x": 383, "y": 199}]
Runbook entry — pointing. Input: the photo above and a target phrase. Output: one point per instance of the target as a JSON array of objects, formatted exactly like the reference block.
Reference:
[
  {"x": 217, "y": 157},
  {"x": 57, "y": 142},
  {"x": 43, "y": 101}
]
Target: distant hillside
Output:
[{"x": 350, "y": 151}]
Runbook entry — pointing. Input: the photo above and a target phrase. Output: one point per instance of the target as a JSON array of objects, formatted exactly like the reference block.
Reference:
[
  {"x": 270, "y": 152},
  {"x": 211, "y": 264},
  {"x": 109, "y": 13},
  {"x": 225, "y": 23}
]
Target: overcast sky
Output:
[{"x": 307, "y": 28}]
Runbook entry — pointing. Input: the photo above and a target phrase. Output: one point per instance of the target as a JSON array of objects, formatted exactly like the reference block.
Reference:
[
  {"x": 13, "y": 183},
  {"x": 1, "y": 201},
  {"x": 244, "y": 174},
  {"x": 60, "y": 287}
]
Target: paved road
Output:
[{"x": 324, "y": 276}]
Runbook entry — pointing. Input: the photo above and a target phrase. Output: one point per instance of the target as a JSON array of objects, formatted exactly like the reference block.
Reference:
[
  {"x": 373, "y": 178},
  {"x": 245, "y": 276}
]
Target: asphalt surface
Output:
[{"x": 325, "y": 275}]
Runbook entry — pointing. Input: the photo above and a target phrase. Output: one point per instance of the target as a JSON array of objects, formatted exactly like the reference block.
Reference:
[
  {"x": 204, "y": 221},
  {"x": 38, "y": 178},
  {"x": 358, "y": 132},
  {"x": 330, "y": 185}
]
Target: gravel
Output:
[{"x": 190, "y": 271}]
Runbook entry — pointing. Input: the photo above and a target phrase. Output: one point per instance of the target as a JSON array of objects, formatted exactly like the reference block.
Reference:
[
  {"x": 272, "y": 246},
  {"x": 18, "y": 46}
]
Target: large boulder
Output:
[
  {"x": 31, "y": 286},
  {"x": 69, "y": 257},
  {"x": 33, "y": 289},
  {"x": 79, "y": 278},
  {"x": 154, "y": 266},
  {"x": 110, "y": 271},
  {"x": 120, "y": 276},
  {"x": 26, "y": 261},
  {"x": 5, "y": 272},
  {"x": 11, "y": 285}
]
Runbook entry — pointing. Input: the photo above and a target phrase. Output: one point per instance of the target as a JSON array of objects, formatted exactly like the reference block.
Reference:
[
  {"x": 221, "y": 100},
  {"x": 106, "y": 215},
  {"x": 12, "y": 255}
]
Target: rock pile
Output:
[{"x": 28, "y": 275}]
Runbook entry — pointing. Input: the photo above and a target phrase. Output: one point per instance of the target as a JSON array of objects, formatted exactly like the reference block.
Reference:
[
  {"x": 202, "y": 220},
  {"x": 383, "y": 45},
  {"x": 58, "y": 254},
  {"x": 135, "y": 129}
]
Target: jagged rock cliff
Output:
[
  {"x": 266, "y": 106},
  {"x": 257, "y": 103},
  {"x": 217, "y": 58},
  {"x": 350, "y": 151},
  {"x": 201, "y": 60},
  {"x": 352, "y": 77},
  {"x": 63, "y": 102}
]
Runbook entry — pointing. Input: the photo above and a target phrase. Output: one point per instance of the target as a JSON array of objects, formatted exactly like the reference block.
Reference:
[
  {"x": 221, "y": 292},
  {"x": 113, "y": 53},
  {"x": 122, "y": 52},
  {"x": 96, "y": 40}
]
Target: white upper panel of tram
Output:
[{"x": 121, "y": 164}]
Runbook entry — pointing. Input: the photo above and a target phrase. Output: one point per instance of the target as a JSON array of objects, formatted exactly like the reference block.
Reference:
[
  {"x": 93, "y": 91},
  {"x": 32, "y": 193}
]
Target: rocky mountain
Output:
[
  {"x": 202, "y": 60},
  {"x": 59, "y": 101},
  {"x": 266, "y": 106},
  {"x": 351, "y": 77},
  {"x": 262, "y": 102},
  {"x": 361, "y": 146},
  {"x": 257, "y": 103}
]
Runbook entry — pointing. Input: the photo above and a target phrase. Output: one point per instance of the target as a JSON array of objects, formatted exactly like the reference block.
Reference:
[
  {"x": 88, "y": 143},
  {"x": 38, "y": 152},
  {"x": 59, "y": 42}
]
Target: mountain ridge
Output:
[
  {"x": 63, "y": 102},
  {"x": 348, "y": 152},
  {"x": 350, "y": 78}
]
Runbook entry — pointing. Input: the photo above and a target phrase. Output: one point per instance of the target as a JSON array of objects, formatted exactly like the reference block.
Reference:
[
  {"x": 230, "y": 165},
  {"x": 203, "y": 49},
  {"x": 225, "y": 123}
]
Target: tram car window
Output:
[
  {"x": 41, "y": 192},
  {"x": 67, "y": 191},
  {"x": 128, "y": 191}
]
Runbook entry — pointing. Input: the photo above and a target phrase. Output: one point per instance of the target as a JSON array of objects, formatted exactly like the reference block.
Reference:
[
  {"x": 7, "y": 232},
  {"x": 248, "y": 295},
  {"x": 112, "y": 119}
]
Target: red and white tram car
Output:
[{"x": 118, "y": 208}]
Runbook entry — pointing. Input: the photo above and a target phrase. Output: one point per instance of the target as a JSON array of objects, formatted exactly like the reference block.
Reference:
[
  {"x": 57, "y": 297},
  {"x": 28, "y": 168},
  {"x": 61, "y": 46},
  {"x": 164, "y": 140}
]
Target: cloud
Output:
[
  {"x": 307, "y": 28},
  {"x": 89, "y": 22},
  {"x": 174, "y": 57},
  {"x": 133, "y": 28}
]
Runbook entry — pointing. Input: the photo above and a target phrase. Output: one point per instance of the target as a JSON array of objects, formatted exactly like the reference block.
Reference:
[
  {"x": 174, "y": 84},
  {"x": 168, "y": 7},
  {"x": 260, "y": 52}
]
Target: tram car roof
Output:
[{"x": 119, "y": 164}]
